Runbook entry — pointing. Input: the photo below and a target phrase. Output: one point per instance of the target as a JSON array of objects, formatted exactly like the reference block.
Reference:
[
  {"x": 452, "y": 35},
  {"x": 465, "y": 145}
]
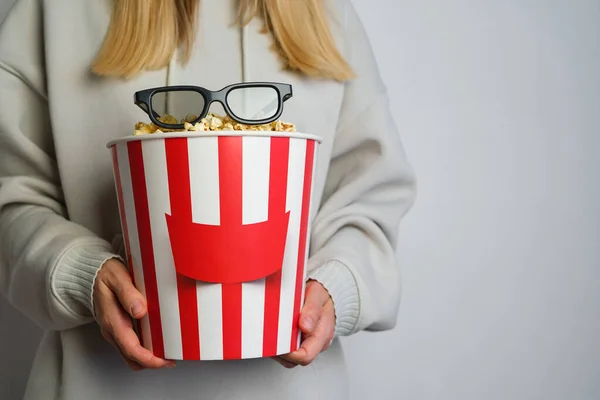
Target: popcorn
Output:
[
  {"x": 284, "y": 127},
  {"x": 199, "y": 127},
  {"x": 215, "y": 123},
  {"x": 190, "y": 118},
  {"x": 212, "y": 122},
  {"x": 168, "y": 119},
  {"x": 143, "y": 128}
]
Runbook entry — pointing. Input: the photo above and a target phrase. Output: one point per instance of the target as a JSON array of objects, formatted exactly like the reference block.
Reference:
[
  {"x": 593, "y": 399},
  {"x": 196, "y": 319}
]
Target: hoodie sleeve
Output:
[
  {"x": 369, "y": 188},
  {"x": 47, "y": 263}
]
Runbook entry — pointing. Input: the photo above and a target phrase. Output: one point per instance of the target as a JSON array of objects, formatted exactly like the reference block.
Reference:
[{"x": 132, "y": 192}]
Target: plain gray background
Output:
[{"x": 499, "y": 107}]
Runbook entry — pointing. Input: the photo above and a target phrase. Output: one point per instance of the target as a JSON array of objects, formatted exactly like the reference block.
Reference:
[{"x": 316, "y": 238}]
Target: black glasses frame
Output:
[{"x": 143, "y": 99}]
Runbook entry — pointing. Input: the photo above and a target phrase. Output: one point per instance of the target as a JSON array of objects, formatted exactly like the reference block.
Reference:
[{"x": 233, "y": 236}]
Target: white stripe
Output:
[
  {"x": 134, "y": 240},
  {"x": 204, "y": 184},
  {"x": 157, "y": 185},
  {"x": 255, "y": 179},
  {"x": 204, "y": 180},
  {"x": 308, "y": 230},
  {"x": 290, "y": 262},
  {"x": 255, "y": 208},
  {"x": 210, "y": 320}
]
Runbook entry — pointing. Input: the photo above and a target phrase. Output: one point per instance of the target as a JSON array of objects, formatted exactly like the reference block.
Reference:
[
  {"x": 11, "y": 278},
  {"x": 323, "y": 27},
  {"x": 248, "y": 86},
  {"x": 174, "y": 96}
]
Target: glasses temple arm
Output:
[{"x": 262, "y": 111}]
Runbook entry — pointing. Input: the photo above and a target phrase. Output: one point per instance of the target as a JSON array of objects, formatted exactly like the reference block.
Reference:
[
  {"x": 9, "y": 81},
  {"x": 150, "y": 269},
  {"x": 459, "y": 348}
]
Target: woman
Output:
[{"x": 67, "y": 75}]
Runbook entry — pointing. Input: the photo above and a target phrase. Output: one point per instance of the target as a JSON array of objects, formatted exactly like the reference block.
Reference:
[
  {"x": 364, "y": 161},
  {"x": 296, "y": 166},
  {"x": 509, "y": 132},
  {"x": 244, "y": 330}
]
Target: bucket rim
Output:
[{"x": 204, "y": 134}]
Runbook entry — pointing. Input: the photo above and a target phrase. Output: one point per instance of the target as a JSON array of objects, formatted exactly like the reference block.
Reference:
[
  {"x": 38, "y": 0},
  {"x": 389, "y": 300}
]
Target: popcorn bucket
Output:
[{"x": 216, "y": 229}]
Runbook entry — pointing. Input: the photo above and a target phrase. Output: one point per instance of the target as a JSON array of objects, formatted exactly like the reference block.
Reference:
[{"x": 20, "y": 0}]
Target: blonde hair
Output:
[{"x": 144, "y": 35}]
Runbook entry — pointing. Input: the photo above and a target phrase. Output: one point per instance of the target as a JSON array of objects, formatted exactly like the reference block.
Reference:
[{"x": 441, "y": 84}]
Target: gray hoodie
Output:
[{"x": 59, "y": 219}]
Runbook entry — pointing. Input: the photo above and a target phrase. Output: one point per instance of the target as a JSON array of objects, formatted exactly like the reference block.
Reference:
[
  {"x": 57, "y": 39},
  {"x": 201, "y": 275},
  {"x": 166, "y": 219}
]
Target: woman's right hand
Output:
[{"x": 116, "y": 300}]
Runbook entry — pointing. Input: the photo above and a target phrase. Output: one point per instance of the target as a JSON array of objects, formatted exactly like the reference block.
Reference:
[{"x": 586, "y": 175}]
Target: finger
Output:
[
  {"x": 118, "y": 280},
  {"x": 287, "y": 364},
  {"x": 327, "y": 346},
  {"x": 316, "y": 297},
  {"x": 329, "y": 321},
  {"x": 118, "y": 324},
  {"x": 311, "y": 347},
  {"x": 131, "y": 364},
  {"x": 131, "y": 348},
  {"x": 314, "y": 343}
]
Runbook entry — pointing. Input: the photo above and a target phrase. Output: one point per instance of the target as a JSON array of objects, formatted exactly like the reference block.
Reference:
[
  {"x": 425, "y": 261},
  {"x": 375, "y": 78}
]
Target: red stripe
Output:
[
  {"x": 121, "y": 202},
  {"x": 230, "y": 191},
  {"x": 181, "y": 206},
  {"x": 308, "y": 172},
  {"x": 140, "y": 197},
  {"x": 280, "y": 149}
]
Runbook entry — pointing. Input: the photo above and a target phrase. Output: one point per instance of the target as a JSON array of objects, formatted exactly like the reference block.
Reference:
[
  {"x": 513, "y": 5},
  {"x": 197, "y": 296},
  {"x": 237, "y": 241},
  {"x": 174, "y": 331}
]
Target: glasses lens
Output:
[
  {"x": 183, "y": 105},
  {"x": 254, "y": 104}
]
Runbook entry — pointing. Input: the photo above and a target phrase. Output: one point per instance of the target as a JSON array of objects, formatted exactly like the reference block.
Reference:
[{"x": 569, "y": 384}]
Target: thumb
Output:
[
  {"x": 115, "y": 275},
  {"x": 316, "y": 297}
]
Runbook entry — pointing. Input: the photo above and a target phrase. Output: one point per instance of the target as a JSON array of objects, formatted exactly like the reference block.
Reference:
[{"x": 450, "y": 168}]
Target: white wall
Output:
[{"x": 499, "y": 107}]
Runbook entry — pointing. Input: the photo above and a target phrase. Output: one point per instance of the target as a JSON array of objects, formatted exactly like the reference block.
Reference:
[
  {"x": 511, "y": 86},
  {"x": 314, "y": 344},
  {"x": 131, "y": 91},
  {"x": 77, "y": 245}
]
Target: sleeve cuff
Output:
[
  {"x": 337, "y": 279},
  {"x": 74, "y": 276}
]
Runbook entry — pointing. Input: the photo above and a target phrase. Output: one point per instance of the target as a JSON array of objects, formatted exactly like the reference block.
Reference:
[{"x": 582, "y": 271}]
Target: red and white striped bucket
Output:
[{"x": 216, "y": 228}]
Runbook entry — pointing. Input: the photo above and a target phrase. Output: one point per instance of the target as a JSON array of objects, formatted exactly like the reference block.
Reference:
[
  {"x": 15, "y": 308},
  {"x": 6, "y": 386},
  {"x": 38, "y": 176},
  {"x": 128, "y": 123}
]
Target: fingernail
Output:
[
  {"x": 170, "y": 365},
  {"x": 137, "y": 308},
  {"x": 308, "y": 323}
]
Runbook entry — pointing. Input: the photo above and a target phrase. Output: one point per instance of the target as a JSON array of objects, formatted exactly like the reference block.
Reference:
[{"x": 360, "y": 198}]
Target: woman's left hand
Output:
[{"x": 317, "y": 323}]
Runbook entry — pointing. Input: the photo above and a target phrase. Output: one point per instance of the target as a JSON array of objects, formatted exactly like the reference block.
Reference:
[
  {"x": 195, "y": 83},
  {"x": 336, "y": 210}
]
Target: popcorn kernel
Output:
[{"x": 212, "y": 122}]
